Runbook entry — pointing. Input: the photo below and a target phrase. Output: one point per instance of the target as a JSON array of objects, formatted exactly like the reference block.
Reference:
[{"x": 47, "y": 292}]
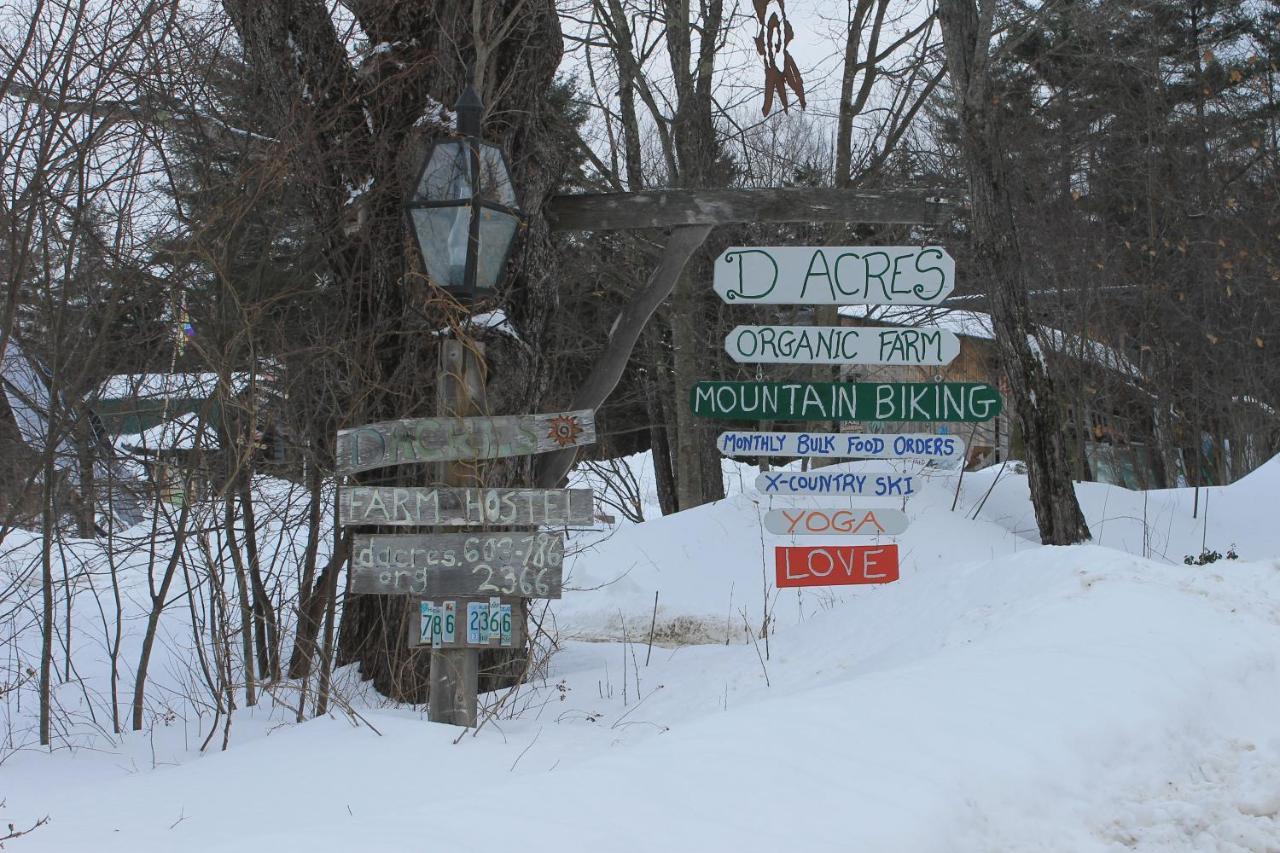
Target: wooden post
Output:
[{"x": 459, "y": 393}]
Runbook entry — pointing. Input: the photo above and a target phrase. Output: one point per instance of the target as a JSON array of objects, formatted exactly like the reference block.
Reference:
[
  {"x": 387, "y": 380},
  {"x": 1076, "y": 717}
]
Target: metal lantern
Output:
[{"x": 463, "y": 210}]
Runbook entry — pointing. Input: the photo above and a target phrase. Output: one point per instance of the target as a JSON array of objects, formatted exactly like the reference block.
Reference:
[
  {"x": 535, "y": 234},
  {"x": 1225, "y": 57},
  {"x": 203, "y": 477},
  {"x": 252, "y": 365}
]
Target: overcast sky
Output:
[{"x": 820, "y": 28}]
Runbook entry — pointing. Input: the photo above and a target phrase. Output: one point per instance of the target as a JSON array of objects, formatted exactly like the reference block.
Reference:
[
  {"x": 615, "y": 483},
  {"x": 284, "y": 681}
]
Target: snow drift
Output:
[{"x": 1000, "y": 696}]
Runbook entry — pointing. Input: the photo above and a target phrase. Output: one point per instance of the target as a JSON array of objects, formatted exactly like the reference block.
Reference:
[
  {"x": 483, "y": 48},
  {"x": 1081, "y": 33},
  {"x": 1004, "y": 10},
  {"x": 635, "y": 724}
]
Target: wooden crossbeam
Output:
[{"x": 671, "y": 208}]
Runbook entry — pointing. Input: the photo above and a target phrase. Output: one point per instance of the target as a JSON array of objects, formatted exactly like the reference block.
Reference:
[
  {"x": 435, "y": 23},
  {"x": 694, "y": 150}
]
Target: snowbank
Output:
[{"x": 1001, "y": 696}]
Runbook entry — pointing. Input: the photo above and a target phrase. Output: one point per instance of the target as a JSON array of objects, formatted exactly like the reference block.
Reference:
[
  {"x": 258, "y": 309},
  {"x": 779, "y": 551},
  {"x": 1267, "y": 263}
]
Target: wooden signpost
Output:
[
  {"x": 469, "y": 585},
  {"x": 864, "y": 521},
  {"x": 846, "y": 401},
  {"x": 841, "y": 445},
  {"x": 463, "y": 507},
  {"x": 835, "y": 275},
  {"x": 835, "y": 483},
  {"x": 523, "y": 565},
  {"x": 840, "y": 345},
  {"x": 835, "y": 565},
  {"x": 848, "y": 275},
  {"x": 451, "y": 439}
]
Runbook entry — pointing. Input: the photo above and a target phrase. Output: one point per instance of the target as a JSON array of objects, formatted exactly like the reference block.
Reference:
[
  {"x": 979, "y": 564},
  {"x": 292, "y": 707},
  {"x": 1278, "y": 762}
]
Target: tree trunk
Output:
[
  {"x": 158, "y": 600},
  {"x": 264, "y": 611},
  {"x": 697, "y": 151},
  {"x": 656, "y": 392},
  {"x": 354, "y": 139},
  {"x": 664, "y": 477},
  {"x": 967, "y": 35},
  {"x": 685, "y": 342},
  {"x": 242, "y": 594},
  {"x": 304, "y": 638},
  {"x": 48, "y": 521},
  {"x": 86, "y": 447}
]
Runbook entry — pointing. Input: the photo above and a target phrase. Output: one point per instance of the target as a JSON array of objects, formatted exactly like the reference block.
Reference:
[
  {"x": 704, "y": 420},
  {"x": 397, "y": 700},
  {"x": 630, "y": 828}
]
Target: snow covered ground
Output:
[{"x": 1002, "y": 696}]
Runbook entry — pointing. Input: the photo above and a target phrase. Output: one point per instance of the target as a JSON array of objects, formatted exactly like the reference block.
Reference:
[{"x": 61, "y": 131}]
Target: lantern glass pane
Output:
[
  {"x": 442, "y": 239},
  {"x": 497, "y": 233},
  {"x": 447, "y": 176},
  {"x": 495, "y": 180}
]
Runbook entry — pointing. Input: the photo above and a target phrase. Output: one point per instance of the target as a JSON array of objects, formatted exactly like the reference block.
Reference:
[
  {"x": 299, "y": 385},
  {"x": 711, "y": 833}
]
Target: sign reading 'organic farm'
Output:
[
  {"x": 840, "y": 345},
  {"x": 846, "y": 401},
  {"x": 835, "y": 275}
]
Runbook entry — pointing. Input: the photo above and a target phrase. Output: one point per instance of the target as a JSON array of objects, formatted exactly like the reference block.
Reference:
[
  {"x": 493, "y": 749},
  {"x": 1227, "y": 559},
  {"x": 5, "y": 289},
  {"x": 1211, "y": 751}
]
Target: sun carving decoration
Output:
[
  {"x": 565, "y": 430},
  {"x": 780, "y": 69}
]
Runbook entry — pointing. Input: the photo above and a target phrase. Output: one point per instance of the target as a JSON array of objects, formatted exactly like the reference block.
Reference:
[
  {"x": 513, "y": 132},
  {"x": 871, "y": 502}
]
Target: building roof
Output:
[
  {"x": 177, "y": 433},
  {"x": 166, "y": 386},
  {"x": 978, "y": 324}
]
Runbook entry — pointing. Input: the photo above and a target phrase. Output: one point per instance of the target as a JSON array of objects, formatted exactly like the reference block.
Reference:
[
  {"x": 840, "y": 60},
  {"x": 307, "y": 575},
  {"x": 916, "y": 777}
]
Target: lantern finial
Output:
[{"x": 469, "y": 107}]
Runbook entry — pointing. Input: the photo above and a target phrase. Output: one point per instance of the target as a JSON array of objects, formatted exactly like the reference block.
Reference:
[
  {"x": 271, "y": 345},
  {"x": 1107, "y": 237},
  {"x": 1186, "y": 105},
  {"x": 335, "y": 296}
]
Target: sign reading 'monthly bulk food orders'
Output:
[{"x": 835, "y": 445}]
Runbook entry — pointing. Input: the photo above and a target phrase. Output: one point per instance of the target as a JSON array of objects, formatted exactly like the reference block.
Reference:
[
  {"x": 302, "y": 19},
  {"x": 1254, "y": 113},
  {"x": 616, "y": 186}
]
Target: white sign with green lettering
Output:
[
  {"x": 835, "y": 275},
  {"x": 840, "y": 345}
]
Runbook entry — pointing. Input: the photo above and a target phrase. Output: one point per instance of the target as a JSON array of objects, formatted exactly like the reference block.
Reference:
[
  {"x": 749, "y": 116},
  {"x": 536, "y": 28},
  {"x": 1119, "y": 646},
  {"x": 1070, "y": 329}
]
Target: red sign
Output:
[{"x": 836, "y": 565}]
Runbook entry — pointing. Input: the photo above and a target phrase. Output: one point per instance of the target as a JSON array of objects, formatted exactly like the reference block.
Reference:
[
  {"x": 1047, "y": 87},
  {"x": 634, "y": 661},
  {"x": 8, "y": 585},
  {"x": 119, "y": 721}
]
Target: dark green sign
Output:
[{"x": 846, "y": 401}]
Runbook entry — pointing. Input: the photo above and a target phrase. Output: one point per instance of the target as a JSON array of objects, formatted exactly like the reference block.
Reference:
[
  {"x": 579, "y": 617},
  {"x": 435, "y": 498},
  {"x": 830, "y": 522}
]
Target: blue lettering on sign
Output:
[
  {"x": 905, "y": 445},
  {"x": 881, "y": 485},
  {"x": 887, "y": 485},
  {"x": 861, "y": 445},
  {"x": 806, "y": 443}
]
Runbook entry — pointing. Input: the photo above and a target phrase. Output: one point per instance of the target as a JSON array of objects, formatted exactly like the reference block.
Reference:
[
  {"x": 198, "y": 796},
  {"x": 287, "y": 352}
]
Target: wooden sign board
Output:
[
  {"x": 449, "y": 439},
  {"x": 841, "y": 445},
  {"x": 835, "y": 565},
  {"x": 522, "y": 565},
  {"x": 465, "y": 507},
  {"x": 841, "y": 345},
  {"x": 865, "y": 521},
  {"x": 465, "y": 623},
  {"x": 846, "y": 401},
  {"x": 835, "y": 275},
  {"x": 835, "y": 483}
]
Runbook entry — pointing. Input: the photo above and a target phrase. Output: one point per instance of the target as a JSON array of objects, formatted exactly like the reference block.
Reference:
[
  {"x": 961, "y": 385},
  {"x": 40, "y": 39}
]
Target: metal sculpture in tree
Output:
[{"x": 780, "y": 70}]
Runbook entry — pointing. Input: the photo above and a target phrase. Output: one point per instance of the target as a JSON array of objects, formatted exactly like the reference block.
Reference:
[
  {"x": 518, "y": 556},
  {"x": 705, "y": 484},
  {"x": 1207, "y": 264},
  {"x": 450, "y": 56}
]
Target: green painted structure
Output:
[{"x": 846, "y": 401}]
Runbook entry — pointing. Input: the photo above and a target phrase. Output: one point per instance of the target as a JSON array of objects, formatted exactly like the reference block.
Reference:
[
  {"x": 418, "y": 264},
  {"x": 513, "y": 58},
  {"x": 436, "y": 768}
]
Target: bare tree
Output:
[{"x": 968, "y": 35}]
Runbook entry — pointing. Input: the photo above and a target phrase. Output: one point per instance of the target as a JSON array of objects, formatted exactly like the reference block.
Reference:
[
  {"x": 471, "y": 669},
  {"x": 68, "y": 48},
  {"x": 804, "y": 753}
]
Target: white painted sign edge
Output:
[
  {"x": 848, "y": 445},
  {"x": 787, "y": 263},
  {"x": 950, "y": 342}
]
